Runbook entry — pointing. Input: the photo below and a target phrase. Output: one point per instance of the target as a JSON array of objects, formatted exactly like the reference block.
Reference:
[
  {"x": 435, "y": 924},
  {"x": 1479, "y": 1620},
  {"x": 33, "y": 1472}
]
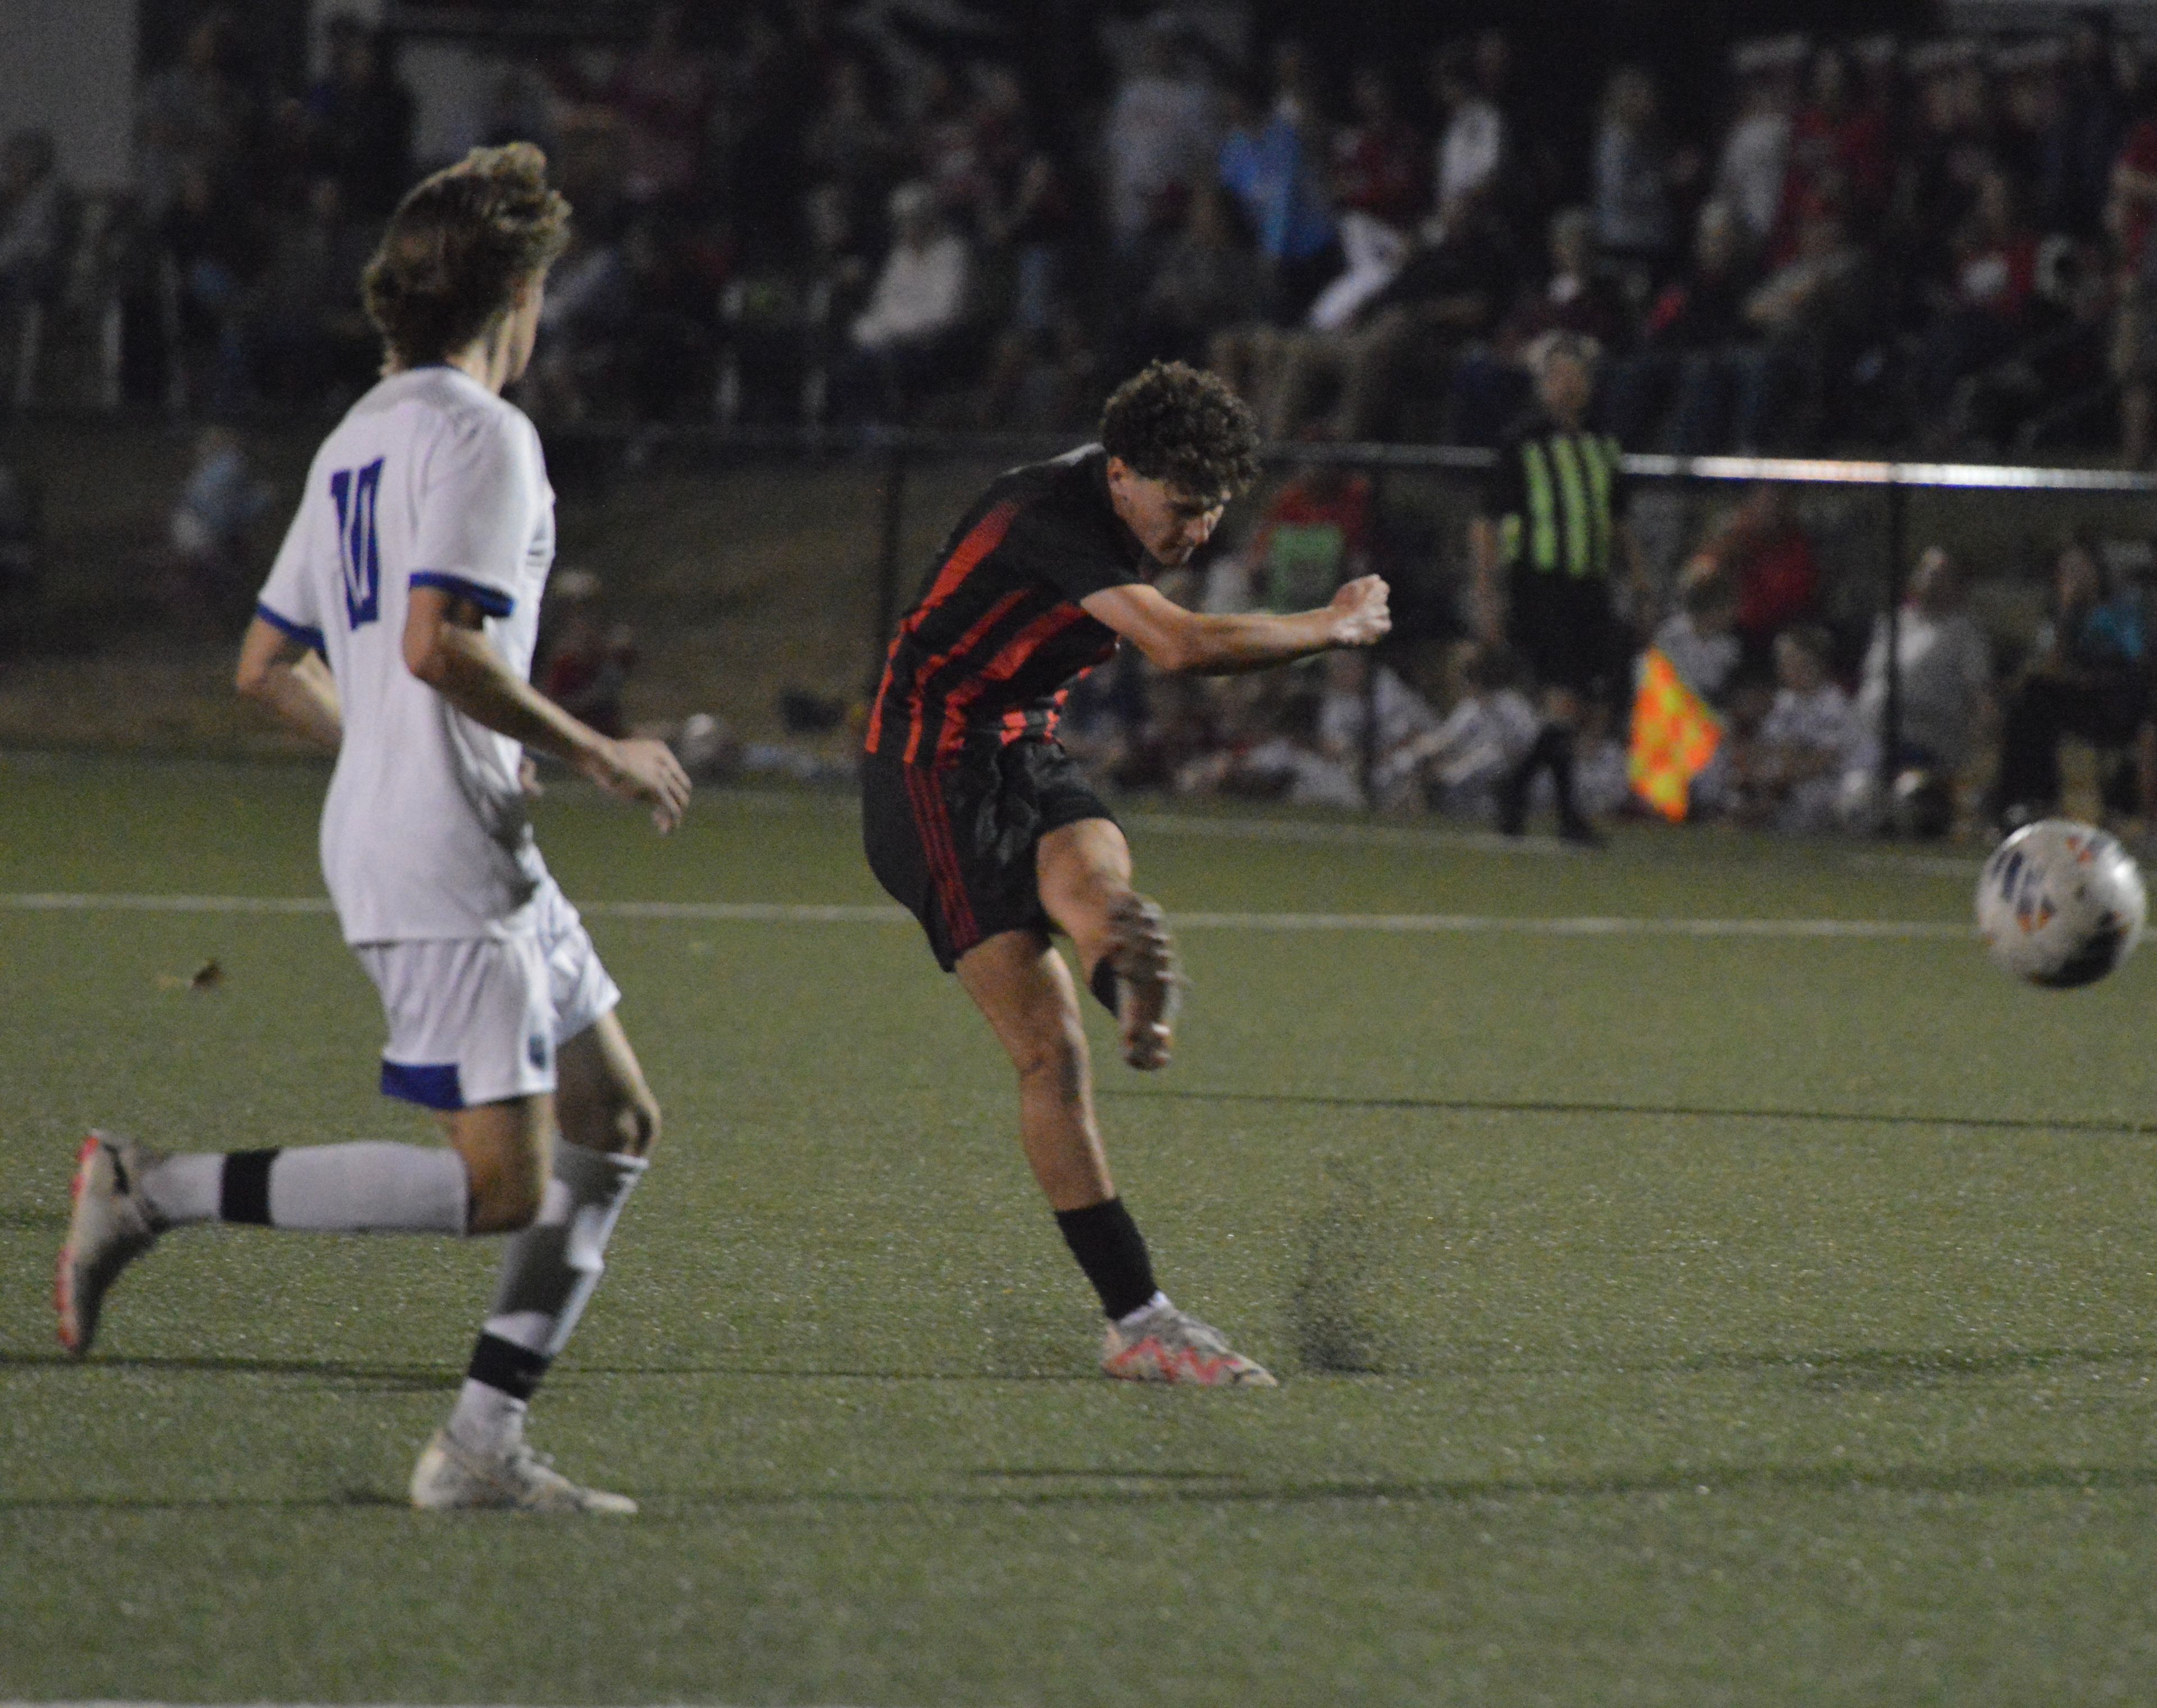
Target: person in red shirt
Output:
[{"x": 1766, "y": 555}]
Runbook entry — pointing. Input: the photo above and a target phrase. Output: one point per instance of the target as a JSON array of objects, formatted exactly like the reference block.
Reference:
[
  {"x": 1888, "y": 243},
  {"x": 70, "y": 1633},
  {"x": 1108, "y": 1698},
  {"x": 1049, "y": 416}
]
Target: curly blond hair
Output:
[{"x": 456, "y": 249}]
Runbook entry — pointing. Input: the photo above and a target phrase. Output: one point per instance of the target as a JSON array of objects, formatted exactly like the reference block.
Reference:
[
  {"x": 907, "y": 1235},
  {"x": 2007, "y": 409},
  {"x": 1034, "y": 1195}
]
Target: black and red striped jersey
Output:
[{"x": 993, "y": 643}]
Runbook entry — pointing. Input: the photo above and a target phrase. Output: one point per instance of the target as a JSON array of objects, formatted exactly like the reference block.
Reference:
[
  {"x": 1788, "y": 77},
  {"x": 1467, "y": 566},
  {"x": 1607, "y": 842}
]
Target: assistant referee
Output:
[{"x": 1553, "y": 519}]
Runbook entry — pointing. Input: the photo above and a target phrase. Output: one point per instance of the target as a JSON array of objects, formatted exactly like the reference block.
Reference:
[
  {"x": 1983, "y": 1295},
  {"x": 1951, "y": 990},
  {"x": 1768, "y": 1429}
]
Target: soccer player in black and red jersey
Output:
[{"x": 978, "y": 821}]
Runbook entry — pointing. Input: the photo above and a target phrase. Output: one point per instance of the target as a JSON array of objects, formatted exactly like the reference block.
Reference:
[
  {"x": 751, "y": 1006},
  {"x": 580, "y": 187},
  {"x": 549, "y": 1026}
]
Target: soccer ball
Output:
[{"x": 2059, "y": 903}]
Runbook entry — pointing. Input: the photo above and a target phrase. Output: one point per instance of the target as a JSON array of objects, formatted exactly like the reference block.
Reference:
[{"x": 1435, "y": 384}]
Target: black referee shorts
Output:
[
  {"x": 1564, "y": 627},
  {"x": 955, "y": 844}
]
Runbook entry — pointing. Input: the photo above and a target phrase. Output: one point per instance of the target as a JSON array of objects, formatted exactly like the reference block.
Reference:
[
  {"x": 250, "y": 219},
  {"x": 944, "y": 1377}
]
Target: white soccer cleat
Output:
[
  {"x": 1148, "y": 982},
  {"x": 1171, "y": 1345},
  {"x": 109, "y": 1228},
  {"x": 451, "y": 1478}
]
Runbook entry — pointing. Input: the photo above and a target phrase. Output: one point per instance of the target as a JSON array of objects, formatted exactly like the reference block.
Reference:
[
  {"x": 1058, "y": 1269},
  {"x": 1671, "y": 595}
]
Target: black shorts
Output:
[
  {"x": 1563, "y": 626},
  {"x": 955, "y": 844}
]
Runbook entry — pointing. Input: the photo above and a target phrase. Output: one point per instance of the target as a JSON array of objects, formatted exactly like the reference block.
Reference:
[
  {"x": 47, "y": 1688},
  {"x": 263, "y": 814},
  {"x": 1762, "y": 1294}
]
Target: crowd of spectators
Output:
[
  {"x": 876, "y": 212},
  {"x": 798, "y": 212}
]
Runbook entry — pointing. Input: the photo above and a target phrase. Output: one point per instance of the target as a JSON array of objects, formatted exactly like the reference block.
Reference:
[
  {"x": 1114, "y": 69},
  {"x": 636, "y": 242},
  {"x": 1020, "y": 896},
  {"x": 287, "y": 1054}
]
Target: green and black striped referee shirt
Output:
[{"x": 1556, "y": 497}]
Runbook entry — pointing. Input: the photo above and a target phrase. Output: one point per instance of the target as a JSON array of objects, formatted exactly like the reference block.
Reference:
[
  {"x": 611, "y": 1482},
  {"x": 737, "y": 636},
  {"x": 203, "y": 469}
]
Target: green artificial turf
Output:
[{"x": 1661, "y": 1319}]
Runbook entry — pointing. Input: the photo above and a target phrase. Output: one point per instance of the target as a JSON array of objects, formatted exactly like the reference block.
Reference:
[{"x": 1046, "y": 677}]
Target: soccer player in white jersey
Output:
[{"x": 415, "y": 567}]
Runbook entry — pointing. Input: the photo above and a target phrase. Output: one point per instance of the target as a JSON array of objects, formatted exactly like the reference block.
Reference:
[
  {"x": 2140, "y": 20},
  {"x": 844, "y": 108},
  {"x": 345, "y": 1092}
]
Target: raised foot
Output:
[
  {"x": 109, "y": 1227},
  {"x": 1169, "y": 1345},
  {"x": 1150, "y": 982},
  {"x": 452, "y": 1478}
]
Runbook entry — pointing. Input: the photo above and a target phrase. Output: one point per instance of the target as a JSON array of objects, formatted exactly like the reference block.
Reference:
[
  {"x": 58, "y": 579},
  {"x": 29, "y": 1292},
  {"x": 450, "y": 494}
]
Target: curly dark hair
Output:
[
  {"x": 457, "y": 247},
  {"x": 1173, "y": 422}
]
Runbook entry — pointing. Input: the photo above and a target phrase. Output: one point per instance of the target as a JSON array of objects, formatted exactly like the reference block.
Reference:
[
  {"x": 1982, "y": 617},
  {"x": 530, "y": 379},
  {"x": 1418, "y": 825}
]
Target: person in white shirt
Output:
[
  {"x": 397, "y": 627},
  {"x": 1789, "y": 773}
]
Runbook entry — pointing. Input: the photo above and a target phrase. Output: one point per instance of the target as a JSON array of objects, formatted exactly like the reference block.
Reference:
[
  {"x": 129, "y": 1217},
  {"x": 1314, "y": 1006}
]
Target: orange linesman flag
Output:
[{"x": 1674, "y": 735}]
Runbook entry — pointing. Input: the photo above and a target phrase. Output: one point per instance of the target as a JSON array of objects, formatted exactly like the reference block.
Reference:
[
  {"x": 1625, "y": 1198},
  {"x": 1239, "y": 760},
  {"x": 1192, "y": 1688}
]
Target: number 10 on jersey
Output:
[{"x": 355, "y": 490}]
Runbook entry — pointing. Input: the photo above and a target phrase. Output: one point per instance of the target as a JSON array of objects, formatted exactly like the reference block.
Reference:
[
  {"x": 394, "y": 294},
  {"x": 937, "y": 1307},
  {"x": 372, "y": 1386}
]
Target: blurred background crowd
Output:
[
  {"x": 915, "y": 213},
  {"x": 895, "y": 211}
]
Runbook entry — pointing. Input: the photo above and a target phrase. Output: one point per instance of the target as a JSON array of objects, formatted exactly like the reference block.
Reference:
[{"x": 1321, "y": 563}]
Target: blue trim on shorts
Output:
[
  {"x": 310, "y": 638},
  {"x": 430, "y": 1084},
  {"x": 491, "y": 599}
]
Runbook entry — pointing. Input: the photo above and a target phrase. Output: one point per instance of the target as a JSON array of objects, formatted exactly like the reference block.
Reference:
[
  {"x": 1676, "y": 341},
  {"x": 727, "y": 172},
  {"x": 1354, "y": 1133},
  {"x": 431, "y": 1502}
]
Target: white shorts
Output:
[{"x": 474, "y": 1019}]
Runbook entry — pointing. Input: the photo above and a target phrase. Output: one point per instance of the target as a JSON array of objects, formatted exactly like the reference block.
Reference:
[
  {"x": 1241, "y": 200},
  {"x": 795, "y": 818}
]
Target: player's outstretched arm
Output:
[
  {"x": 281, "y": 674},
  {"x": 446, "y": 649},
  {"x": 1203, "y": 643}
]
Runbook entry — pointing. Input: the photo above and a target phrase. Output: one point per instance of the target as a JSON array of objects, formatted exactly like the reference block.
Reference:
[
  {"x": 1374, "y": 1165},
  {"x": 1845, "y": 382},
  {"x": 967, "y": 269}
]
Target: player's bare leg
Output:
[
  {"x": 1084, "y": 873},
  {"x": 599, "y": 1126},
  {"x": 1025, "y": 991}
]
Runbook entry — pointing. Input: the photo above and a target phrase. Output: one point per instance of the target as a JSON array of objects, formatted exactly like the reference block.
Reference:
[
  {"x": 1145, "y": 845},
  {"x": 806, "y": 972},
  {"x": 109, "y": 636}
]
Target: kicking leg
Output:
[
  {"x": 1084, "y": 873},
  {"x": 1025, "y": 990}
]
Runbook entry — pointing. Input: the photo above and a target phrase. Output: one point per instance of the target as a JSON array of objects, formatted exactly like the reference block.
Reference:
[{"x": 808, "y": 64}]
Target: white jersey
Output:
[{"x": 431, "y": 480}]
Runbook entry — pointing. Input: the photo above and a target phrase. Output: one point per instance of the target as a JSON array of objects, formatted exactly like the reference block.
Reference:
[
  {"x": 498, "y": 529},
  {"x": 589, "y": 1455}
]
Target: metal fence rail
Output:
[{"x": 899, "y": 451}]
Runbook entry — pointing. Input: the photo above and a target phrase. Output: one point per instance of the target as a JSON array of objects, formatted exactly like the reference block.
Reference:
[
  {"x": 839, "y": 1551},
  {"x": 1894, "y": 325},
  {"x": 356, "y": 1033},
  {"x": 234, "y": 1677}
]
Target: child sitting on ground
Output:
[
  {"x": 1456, "y": 768},
  {"x": 1788, "y": 774}
]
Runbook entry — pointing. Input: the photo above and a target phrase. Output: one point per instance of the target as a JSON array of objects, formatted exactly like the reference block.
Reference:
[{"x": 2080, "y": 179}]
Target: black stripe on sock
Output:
[
  {"x": 1102, "y": 982},
  {"x": 1112, "y": 1251},
  {"x": 243, "y": 1192},
  {"x": 504, "y": 1364}
]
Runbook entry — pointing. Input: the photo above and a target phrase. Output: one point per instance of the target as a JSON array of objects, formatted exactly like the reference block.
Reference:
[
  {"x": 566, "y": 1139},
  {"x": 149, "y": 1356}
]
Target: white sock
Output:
[
  {"x": 549, "y": 1274},
  {"x": 1148, "y": 1308},
  {"x": 362, "y": 1188}
]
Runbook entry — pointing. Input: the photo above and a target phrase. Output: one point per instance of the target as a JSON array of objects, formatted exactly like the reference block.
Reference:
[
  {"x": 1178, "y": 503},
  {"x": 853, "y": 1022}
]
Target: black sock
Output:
[
  {"x": 243, "y": 1193},
  {"x": 1102, "y": 982},
  {"x": 1561, "y": 769},
  {"x": 505, "y": 1365},
  {"x": 1112, "y": 1251}
]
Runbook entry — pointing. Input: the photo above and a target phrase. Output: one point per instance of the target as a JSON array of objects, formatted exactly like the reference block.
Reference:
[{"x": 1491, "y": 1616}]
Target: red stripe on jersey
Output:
[
  {"x": 1006, "y": 664},
  {"x": 983, "y": 537},
  {"x": 932, "y": 822},
  {"x": 933, "y": 667}
]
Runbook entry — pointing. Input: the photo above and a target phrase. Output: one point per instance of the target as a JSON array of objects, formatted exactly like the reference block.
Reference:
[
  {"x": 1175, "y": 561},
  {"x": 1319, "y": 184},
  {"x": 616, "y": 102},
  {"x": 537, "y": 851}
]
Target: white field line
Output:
[{"x": 806, "y": 913}]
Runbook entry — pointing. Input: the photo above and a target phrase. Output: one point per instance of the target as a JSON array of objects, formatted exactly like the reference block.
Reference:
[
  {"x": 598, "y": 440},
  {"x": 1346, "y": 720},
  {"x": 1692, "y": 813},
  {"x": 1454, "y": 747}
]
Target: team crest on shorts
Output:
[{"x": 536, "y": 1049}]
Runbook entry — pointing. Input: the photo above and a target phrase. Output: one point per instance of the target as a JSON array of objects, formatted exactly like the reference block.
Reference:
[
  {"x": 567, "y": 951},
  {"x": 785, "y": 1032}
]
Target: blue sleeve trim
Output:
[
  {"x": 298, "y": 631},
  {"x": 430, "y": 1084},
  {"x": 491, "y": 599}
]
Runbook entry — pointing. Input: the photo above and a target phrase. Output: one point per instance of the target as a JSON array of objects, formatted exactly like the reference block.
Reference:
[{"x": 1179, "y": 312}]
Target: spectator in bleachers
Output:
[
  {"x": 900, "y": 342},
  {"x": 1674, "y": 391},
  {"x": 1379, "y": 157},
  {"x": 1491, "y": 386},
  {"x": 2131, "y": 216},
  {"x": 849, "y": 145},
  {"x": 1802, "y": 322},
  {"x": 359, "y": 122},
  {"x": 1272, "y": 160},
  {"x": 1985, "y": 312},
  {"x": 1943, "y": 686},
  {"x": 203, "y": 113},
  {"x": 662, "y": 94},
  {"x": 1472, "y": 152},
  {"x": 2086, "y": 677},
  {"x": 212, "y": 239},
  {"x": 1839, "y": 154},
  {"x": 2077, "y": 148},
  {"x": 33, "y": 217},
  {"x": 1207, "y": 278},
  {"x": 1159, "y": 138},
  {"x": 1756, "y": 149},
  {"x": 1635, "y": 176}
]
